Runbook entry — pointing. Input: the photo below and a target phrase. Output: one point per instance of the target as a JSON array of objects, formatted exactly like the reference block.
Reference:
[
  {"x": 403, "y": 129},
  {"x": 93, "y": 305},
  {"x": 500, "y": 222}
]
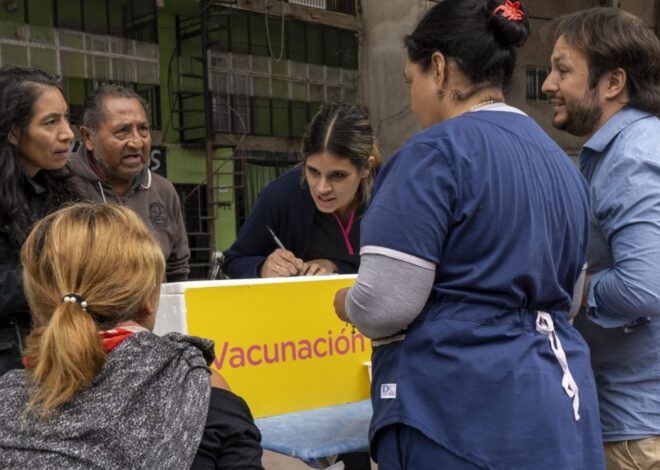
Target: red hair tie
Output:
[{"x": 510, "y": 11}]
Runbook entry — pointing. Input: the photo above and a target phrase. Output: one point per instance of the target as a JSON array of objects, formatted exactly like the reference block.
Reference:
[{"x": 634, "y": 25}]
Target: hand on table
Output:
[
  {"x": 318, "y": 267},
  {"x": 281, "y": 263}
]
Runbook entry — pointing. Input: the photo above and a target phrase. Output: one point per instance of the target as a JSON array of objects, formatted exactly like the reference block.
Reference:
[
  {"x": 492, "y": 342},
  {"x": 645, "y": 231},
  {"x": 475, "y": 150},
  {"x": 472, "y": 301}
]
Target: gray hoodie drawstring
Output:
[
  {"x": 102, "y": 193},
  {"x": 148, "y": 180}
]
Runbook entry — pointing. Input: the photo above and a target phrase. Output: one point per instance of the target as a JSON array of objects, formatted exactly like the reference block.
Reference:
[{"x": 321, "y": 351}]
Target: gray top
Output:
[
  {"x": 380, "y": 304},
  {"x": 146, "y": 409}
]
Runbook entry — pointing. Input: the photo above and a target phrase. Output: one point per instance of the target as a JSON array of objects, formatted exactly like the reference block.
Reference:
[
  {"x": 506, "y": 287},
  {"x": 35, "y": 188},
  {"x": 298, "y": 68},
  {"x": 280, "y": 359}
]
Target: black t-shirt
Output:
[
  {"x": 231, "y": 440},
  {"x": 328, "y": 240}
]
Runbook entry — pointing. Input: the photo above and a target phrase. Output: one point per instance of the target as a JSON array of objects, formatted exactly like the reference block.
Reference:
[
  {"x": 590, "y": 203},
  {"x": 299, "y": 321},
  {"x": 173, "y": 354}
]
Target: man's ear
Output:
[
  {"x": 86, "y": 136},
  {"x": 615, "y": 86},
  {"x": 14, "y": 137}
]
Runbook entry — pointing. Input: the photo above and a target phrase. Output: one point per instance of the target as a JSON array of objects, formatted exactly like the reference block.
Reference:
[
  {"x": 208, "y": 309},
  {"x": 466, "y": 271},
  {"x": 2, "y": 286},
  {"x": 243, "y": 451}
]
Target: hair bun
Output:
[{"x": 508, "y": 21}]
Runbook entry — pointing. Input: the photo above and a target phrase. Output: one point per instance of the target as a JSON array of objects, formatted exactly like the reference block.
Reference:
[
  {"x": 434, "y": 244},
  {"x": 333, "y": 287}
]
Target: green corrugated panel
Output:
[
  {"x": 298, "y": 118},
  {"x": 44, "y": 59},
  {"x": 14, "y": 55},
  {"x": 40, "y": 12},
  {"x": 261, "y": 116},
  {"x": 280, "y": 118}
]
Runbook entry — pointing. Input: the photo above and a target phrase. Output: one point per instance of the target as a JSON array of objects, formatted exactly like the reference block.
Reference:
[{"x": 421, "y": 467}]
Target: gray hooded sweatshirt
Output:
[
  {"x": 152, "y": 197},
  {"x": 146, "y": 409}
]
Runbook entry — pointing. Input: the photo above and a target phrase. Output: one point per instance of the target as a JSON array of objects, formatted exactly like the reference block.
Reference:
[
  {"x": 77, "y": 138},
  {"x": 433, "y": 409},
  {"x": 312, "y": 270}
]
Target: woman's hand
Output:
[
  {"x": 340, "y": 303},
  {"x": 281, "y": 263},
  {"x": 318, "y": 267}
]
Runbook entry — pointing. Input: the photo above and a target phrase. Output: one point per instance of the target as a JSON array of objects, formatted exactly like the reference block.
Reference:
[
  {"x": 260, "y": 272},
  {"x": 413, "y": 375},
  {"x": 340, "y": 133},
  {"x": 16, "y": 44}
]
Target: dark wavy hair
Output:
[
  {"x": 344, "y": 130},
  {"x": 611, "y": 38},
  {"x": 481, "y": 41},
  {"x": 20, "y": 87}
]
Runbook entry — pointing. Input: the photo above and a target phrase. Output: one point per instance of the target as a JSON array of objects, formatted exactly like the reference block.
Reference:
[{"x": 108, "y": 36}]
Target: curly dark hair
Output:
[{"x": 20, "y": 87}]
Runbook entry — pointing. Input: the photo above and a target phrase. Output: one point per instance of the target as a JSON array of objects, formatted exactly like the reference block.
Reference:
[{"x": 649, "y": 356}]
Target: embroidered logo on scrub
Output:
[{"x": 388, "y": 391}]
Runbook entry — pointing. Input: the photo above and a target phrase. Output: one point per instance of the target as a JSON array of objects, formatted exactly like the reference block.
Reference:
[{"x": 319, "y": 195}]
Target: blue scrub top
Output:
[{"x": 502, "y": 212}]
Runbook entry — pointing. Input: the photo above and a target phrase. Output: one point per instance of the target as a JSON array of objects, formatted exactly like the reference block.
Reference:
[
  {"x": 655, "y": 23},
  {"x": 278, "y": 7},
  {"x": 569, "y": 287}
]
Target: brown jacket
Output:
[{"x": 153, "y": 198}]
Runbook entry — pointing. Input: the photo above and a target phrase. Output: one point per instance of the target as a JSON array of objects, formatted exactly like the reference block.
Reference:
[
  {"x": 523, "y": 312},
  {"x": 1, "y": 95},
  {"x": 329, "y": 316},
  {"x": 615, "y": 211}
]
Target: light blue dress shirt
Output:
[{"x": 621, "y": 163}]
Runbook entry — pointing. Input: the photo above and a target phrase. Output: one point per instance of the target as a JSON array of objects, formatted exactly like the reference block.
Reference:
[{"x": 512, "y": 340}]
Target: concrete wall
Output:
[{"x": 384, "y": 92}]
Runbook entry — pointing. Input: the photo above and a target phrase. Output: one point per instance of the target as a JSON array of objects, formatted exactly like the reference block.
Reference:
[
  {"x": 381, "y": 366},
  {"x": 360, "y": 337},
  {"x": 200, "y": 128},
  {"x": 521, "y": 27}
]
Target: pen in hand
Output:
[
  {"x": 280, "y": 245},
  {"x": 277, "y": 241}
]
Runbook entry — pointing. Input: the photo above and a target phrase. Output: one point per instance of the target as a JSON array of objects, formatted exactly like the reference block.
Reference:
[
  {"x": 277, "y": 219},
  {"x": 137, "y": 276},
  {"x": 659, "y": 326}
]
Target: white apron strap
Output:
[{"x": 545, "y": 326}]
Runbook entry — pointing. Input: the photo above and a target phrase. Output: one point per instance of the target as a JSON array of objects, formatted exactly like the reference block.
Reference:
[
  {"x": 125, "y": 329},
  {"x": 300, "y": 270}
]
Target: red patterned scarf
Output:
[{"x": 110, "y": 339}]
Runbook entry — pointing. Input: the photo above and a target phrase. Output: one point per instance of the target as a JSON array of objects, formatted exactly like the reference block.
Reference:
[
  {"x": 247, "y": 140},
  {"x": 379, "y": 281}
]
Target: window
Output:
[
  {"x": 342, "y": 6},
  {"x": 260, "y": 168},
  {"x": 95, "y": 16},
  {"x": 246, "y": 33},
  {"x": 122, "y": 18},
  {"x": 39, "y": 13},
  {"x": 259, "y": 96},
  {"x": 535, "y": 78},
  {"x": 69, "y": 15},
  {"x": 295, "y": 41}
]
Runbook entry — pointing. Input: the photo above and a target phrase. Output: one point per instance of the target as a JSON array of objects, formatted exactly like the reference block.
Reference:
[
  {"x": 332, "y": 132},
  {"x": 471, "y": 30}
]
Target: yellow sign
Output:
[{"x": 280, "y": 345}]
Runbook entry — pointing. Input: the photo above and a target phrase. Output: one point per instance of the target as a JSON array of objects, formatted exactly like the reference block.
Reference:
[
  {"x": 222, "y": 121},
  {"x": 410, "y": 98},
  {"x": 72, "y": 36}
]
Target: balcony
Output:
[{"x": 348, "y": 7}]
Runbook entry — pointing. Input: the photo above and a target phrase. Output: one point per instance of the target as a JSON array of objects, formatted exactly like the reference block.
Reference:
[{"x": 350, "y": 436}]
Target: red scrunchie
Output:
[{"x": 510, "y": 10}]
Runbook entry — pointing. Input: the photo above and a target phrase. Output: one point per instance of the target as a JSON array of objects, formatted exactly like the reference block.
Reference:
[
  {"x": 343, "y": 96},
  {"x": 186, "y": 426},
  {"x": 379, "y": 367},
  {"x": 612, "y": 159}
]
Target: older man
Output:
[
  {"x": 605, "y": 85},
  {"x": 112, "y": 167}
]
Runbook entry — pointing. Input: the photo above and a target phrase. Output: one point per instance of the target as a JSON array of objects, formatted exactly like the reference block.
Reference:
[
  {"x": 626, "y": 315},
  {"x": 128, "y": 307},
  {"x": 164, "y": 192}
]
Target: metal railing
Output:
[{"x": 348, "y": 7}]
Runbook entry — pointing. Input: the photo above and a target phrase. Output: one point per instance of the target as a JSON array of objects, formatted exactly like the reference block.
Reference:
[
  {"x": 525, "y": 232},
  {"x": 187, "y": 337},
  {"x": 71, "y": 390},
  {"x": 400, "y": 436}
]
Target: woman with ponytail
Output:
[
  {"x": 34, "y": 146},
  {"x": 485, "y": 218},
  {"x": 100, "y": 390}
]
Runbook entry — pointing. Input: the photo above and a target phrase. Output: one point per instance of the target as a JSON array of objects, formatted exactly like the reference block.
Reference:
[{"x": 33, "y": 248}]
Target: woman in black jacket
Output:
[
  {"x": 35, "y": 138},
  {"x": 308, "y": 220}
]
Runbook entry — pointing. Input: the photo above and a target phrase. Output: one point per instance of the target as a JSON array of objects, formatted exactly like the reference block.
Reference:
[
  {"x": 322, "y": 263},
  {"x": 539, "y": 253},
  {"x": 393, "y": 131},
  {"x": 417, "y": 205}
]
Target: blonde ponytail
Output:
[
  {"x": 105, "y": 255},
  {"x": 63, "y": 357}
]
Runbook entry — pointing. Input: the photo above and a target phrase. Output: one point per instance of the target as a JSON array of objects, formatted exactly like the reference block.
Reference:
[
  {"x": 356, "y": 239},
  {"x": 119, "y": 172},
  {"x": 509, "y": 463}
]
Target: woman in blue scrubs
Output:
[{"x": 474, "y": 239}]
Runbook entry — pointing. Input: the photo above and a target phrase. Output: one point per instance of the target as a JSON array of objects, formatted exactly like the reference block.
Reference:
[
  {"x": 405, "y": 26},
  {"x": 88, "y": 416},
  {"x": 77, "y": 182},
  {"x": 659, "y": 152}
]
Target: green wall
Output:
[{"x": 188, "y": 166}]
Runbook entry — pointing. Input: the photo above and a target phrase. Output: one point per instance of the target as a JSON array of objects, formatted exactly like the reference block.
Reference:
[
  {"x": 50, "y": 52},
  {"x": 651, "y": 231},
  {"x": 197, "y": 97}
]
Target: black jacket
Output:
[
  {"x": 286, "y": 206},
  {"x": 14, "y": 311}
]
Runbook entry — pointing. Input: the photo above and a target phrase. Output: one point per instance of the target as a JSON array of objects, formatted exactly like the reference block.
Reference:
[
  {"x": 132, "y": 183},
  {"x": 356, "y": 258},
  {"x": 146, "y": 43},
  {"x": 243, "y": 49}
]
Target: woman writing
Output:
[
  {"x": 475, "y": 363},
  {"x": 100, "y": 390},
  {"x": 314, "y": 210},
  {"x": 34, "y": 146}
]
